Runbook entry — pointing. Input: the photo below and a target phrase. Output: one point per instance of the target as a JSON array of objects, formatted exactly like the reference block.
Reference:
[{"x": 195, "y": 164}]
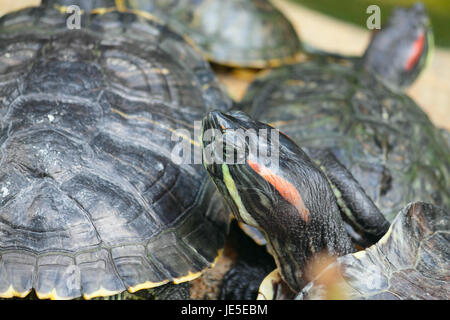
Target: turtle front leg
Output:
[{"x": 363, "y": 216}]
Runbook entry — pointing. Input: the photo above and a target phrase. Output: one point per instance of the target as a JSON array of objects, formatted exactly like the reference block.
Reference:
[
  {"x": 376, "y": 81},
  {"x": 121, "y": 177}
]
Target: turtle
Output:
[
  {"x": 291, "y": 201},
  {"x": 356, "y": 108},
  {"x": 234, "y": 33},
  {"x": 93, "y": 201}
]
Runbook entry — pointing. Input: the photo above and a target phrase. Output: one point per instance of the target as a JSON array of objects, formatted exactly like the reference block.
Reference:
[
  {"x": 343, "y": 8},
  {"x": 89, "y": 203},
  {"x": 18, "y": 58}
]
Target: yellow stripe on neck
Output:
[{"x": 231, "y": 187}]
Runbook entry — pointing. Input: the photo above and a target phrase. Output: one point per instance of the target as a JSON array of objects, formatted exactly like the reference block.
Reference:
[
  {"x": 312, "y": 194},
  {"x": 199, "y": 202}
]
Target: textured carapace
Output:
[
  {"x": 237, "y": 33},
  {"x": 90, "y": 202},
  {"x": 412, "y": 261}
]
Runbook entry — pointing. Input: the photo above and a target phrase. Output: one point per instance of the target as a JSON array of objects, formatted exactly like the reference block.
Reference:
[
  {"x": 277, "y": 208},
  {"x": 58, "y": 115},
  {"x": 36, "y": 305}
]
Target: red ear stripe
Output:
[
  {"x": 417, "y": 49},
  {"x": 284, "y": 187}
]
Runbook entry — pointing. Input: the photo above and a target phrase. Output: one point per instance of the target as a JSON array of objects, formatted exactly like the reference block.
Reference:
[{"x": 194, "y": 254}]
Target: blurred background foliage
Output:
[{"x": 354, "y": 11}]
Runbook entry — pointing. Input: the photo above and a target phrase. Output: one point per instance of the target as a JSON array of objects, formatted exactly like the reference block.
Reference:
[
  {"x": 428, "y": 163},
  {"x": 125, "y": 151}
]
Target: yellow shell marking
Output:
[
  {"x": 146, "y": 285},
  {"x": 52, "y": 295},
  {"x": 189, "y": 277},
  {"x": 11, "y": 293},
  {"x": 102, "y": 292}
]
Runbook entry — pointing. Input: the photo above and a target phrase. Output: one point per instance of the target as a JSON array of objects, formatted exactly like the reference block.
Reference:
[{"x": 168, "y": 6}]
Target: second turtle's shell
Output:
[{"x": 237, "y": 33}]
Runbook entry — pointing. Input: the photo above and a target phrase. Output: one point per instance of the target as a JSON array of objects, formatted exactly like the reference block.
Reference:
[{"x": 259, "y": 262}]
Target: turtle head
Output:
[
  {"x": 248, "y": 164},
  {"x": 271, "y": 184},
  {"x": 401, "y": 49}
]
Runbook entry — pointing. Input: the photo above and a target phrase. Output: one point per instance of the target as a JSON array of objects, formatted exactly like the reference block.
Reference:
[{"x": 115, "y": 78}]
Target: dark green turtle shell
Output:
[
  {"x": 385, "y": 140},
  {"x": 412, "y": 261},
  {"x": 90, "y": 202},
  {"x": 237, "y": 33}
]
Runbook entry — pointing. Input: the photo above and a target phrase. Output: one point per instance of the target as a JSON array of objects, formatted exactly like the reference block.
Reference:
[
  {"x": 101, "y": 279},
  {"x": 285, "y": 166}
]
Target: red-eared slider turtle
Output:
[
  {"x": 235, "y": 33},
  {"x": 91, "y": 201},
  {"x": 292, "y": 203},
  {"x": 355, "y": 108}
]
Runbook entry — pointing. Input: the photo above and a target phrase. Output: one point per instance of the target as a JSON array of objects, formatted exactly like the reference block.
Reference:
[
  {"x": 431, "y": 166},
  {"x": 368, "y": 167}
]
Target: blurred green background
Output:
[{"x": 354, "y": 11}]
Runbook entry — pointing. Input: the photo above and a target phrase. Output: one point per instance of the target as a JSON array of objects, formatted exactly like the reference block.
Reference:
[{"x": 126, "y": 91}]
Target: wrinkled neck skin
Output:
[{"x": 294, "y": 243}]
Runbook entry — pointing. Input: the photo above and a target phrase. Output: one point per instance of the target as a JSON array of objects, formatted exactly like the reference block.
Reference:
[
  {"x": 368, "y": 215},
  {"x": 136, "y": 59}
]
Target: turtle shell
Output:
[
  {"x": 412, "y": 261},
  {"x": 236, "y": 33},
  {"x": 91, "y": 202},
  {"x": 385, "y": 140}
]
